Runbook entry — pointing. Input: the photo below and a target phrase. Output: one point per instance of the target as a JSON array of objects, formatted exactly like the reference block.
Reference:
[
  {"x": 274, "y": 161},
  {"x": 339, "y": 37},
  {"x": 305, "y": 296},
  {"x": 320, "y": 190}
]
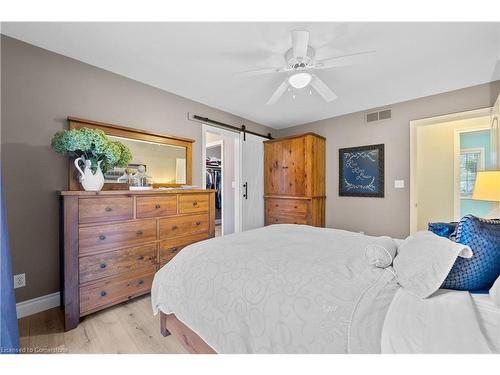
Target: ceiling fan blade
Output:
[
  {"x": 278, "y": 93},
  {"x": 258, "y": 72},
  {"x": 322, "y": 89},
  {"x": 300, "y": 39},
  {"x": 344, "y": 60}
]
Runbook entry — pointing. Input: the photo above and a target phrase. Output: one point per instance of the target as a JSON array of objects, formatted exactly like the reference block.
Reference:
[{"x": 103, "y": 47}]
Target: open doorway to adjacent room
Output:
[
  {"x": 446, "y": 154},
  {"x": 221, "y": 171}
]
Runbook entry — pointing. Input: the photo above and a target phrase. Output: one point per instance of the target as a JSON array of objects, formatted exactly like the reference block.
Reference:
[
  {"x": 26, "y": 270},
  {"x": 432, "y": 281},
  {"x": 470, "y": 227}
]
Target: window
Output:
[{"x": 471, "y": 161}]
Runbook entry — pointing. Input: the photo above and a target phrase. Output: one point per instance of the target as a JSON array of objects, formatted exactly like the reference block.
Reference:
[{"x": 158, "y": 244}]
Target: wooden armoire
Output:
[{"x": 294, "y": 180}]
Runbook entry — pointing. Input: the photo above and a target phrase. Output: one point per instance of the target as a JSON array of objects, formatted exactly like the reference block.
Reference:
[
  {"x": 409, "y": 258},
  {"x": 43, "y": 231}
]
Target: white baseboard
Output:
[{"x": 36, "y": 305}]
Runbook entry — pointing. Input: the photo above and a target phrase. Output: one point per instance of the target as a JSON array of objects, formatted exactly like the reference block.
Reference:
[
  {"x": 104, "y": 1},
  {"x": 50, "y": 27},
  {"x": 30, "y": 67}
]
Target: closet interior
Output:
[{"x": 214, "y": 176}]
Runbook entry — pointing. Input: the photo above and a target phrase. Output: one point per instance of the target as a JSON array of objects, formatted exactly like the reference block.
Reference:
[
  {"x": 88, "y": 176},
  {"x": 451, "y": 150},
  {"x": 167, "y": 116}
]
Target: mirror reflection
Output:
[{"x": 166, "y": 164}]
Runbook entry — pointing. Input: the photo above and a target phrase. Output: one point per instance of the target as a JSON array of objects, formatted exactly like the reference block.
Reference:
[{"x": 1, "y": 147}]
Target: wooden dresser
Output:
[
  {"x": 114, "y": 242},
  {"x": 294, "y": 180}
]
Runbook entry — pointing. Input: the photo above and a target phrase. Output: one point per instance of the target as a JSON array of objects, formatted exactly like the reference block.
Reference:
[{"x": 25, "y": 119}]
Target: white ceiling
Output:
[{"x": 197, "y": 61}]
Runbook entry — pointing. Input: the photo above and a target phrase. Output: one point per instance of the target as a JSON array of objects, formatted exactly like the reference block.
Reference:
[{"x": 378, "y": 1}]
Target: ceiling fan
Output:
[{"x": 300, "y": 65}]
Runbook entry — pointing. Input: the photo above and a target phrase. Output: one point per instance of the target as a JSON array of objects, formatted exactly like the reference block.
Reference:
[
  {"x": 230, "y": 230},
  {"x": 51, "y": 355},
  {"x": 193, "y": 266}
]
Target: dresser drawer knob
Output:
[
  {"x": 174, "y": 227},
  {"x": 195, "y": 203},
  {"x": 139, "y": 232},
  {"x": 102, "y": 237},
  {"x": 140, "y": 257},
  {"x": 198, "y": 223},
  {"x": 174, "y": 250},
  {"x": 102, "y": 265},
  {"x": 103, "y": 293},
  {"x": 157, "y": 206},
  {"x": 108, "y": 209},
  {"x": 141, "y": 282}
]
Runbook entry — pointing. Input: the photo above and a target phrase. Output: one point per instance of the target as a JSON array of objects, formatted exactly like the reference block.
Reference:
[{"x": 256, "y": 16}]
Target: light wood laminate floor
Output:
[{"x": 126, "y": 328}]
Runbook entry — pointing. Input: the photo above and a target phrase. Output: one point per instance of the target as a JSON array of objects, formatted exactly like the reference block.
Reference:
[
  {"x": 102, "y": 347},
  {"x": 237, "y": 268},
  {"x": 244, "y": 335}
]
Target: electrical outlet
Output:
[{"x": 19, "y": 280}]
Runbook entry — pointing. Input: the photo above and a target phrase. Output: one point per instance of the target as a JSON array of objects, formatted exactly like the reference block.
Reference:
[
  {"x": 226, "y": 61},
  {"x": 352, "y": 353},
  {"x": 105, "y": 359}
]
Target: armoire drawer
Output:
[
  {"x": 108, "y": 236},
  {"x": 98, "y": 210},
  {"x": 191, "y": 203},
  {"x": 292, "y": 208},
  {"x": 169, "y": 248},
  {"x": 114, "y": 290},
  {"x": 183, "y": 225},
  {"x": 155, "y": 206},
  {"x": 111, "y": 263}
]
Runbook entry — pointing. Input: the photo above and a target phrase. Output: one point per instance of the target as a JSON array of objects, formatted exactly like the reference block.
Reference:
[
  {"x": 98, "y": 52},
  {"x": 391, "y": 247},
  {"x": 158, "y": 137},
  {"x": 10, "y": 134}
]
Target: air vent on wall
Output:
[{"x": 385, "y": 114}]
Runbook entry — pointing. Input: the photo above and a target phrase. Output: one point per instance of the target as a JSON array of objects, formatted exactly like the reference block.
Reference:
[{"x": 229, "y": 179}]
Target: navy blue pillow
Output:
[
  {"x": 480, "y": 271},
  {"x": 442, "y": 229}
]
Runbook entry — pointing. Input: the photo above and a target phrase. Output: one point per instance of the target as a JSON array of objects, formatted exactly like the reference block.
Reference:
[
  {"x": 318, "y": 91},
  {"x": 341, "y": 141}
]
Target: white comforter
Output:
[
  {"x": 279, "y": 289},
  {"x": 446, "y": 322}
]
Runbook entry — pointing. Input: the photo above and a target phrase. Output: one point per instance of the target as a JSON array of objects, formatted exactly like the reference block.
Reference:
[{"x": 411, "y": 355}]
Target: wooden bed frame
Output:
[{"x": 191, "y": 341}]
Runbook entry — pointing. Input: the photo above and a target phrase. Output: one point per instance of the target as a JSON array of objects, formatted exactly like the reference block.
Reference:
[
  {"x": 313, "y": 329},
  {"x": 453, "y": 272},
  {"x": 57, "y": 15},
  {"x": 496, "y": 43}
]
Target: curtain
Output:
[{"x": 9, "y": 335}]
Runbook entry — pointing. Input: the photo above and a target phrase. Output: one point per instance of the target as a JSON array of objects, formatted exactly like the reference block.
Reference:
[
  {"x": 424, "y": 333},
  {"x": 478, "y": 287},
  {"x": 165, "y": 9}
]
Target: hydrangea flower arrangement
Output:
[{"x": 93, "y": 145}]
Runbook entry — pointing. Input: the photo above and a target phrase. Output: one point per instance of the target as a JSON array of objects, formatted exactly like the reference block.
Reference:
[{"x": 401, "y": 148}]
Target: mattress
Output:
[{"x": 489, "y": 319}]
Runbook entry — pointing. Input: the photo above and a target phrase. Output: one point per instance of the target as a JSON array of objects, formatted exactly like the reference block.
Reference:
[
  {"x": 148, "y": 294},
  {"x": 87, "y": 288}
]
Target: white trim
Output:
[
  {"x": 413, "y": 151},
  {"x": 39, "y": 304}
]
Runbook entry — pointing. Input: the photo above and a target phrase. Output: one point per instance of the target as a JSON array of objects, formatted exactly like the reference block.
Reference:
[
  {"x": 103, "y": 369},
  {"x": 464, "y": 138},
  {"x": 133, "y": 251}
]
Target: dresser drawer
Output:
[
  {"x": 190, "y": 203},
  {"x": 98, "y": 210},
  {"x": 118, "y": 289},
  {"x": 292, "y": 208},
  {"x": 155, "y": 206},
  {"x": 108, "y": 236},
  {"x": 169, "y": 248},
  {"x": 111, "y": 263},
  {"x": 285, "y": 220},
  {"x": 183, "y": 225}
]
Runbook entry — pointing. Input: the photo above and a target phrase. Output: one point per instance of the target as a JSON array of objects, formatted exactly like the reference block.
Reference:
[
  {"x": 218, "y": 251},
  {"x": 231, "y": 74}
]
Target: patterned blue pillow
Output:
[
  {"x": 480, "y": 271},
  {"x": 442, "y": 229}
]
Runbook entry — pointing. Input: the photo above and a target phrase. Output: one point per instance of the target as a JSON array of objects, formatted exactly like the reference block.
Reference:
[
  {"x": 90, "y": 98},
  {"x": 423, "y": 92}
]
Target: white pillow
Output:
[
  {"x": 381, "y": 252},
  {"x": 424, "y": 260},
  {"x": 495, "y": 292}
]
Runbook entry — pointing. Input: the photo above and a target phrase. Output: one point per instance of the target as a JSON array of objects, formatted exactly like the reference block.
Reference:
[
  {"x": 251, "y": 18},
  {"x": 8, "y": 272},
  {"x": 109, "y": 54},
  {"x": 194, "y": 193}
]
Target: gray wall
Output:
[
  {"x": 39, "y": 90},
  {"x": 389, "y": 215}
]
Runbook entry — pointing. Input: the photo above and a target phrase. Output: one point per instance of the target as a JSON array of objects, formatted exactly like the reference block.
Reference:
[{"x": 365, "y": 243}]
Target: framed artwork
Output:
[{"x": 361, "y": 171}]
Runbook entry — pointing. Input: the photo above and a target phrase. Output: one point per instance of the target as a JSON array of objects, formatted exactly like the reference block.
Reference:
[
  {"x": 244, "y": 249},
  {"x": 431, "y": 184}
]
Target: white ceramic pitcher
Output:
[{"x": 89, "y": 180}]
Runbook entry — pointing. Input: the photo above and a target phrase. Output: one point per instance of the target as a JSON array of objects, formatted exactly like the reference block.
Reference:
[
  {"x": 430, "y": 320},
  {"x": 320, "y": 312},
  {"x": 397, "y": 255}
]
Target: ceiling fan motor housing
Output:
[{"x": 299, "y": 62}]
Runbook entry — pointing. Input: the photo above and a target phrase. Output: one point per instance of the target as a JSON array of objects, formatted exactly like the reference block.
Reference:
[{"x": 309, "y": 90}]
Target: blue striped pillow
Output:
[{"x": 480, "y": 271}]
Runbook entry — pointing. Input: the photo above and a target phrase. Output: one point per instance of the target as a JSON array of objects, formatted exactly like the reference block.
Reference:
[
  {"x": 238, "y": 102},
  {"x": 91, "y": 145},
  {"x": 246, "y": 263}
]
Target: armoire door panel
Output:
[
  {"x": 272, "y": 169},
  {"x": 293, "y": 157}
]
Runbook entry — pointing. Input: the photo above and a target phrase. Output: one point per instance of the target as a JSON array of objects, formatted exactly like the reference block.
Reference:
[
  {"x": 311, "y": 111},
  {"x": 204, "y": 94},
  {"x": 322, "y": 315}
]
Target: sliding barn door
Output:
[{"x": 252, "y": 172}]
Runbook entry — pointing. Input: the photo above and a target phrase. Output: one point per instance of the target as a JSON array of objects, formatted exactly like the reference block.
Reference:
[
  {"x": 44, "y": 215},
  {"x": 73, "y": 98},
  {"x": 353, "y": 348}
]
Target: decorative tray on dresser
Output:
[{"x": 114, "y": 242}]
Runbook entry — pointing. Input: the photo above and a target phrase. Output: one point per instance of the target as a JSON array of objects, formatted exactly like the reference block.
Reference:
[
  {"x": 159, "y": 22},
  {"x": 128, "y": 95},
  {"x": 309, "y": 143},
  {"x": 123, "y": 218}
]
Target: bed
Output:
[{"x": 291, "y": 289}]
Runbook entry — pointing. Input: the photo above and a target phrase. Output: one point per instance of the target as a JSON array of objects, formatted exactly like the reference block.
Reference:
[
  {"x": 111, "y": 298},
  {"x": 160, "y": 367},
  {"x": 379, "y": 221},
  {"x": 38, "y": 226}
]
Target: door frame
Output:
[
  {"x": 414, "y": 124},
  {"x": 237, "y": 173}
]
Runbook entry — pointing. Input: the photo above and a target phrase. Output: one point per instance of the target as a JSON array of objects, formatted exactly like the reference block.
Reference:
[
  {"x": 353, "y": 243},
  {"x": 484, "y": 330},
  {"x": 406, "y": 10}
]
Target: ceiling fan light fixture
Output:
[{"x": 299, "y": 80}]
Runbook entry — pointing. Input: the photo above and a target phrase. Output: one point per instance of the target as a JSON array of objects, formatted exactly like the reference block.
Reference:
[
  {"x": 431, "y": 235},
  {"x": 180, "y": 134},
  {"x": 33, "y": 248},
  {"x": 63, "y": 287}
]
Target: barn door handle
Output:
[{"x": 245, "y": 194}]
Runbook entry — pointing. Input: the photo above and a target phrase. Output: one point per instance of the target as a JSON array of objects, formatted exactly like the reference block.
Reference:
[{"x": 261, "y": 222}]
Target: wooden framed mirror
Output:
[{"x": 168, "y": 159}]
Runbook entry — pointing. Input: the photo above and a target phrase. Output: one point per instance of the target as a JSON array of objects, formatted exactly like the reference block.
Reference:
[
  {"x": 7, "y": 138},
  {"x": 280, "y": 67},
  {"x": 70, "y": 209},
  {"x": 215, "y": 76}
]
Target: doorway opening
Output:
[
  {"x": 446, "y": 153},
  {"x": 221, "y": 172}
]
